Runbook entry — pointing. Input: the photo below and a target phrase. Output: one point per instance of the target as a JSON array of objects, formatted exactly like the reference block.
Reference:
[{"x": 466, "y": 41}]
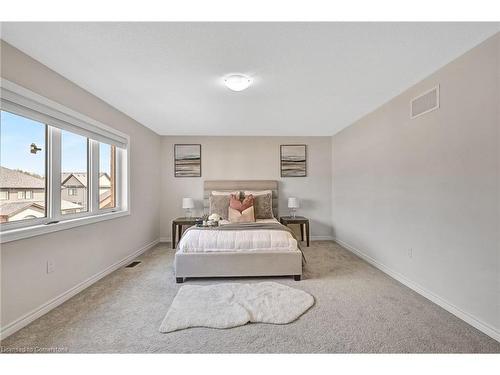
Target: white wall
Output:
[
  {"x": 251, "y": 158},
  {"x": 81, "y": 252},
  {"x": 430, "y": 185}
]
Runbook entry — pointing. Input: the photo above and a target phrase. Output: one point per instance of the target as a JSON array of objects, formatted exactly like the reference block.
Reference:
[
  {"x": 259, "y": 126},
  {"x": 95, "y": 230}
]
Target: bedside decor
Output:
[
  {"x": 293, "y": 204},
  {"x": 188, "y": 204},
  {"x": 293, "y": 160},
  {"x": 187, "y": 160},
  {"x": 214, "y": 217}
]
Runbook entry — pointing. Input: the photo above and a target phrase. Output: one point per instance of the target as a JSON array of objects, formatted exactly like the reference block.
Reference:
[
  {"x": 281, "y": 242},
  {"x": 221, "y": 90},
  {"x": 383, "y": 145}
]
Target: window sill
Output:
[{"x": 37, "y": 230}]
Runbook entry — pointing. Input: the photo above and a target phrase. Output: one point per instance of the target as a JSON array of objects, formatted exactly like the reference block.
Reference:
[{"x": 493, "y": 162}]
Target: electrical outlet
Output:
[
  {"x": 51, "y": 266},
  {"x": 410, "y": 253}
]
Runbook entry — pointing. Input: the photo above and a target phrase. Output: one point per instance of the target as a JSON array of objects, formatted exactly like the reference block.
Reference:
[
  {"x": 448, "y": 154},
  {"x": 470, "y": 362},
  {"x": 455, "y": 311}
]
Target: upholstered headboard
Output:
[{"x": 241, "y": 185}]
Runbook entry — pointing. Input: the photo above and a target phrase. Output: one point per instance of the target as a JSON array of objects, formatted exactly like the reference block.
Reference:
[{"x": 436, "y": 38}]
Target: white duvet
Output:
[{"x": 201, "y": 241}]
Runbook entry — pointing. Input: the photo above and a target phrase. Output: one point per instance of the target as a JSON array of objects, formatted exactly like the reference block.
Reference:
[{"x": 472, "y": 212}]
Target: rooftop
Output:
[{"x": 10, "y": 178}]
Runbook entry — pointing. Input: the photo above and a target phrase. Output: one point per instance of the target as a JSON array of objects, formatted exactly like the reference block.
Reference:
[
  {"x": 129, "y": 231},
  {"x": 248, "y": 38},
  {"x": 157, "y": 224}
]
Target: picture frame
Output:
[
  {"x": 187, "y": 160},
  {"x": 293, "y": 160}
]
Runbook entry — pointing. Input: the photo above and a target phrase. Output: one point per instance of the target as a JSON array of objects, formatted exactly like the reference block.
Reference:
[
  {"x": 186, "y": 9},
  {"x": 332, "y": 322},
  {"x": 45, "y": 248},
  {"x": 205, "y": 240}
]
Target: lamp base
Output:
[{"x": 292, "y": 213}]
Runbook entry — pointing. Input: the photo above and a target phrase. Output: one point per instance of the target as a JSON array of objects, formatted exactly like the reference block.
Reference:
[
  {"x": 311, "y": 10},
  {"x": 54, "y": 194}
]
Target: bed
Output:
[{"x": 265, "y": 248}]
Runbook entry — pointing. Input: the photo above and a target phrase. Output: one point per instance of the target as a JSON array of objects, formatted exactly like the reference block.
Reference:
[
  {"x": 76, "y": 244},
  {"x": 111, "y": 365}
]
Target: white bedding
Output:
[{"x": 201, "y": 241}]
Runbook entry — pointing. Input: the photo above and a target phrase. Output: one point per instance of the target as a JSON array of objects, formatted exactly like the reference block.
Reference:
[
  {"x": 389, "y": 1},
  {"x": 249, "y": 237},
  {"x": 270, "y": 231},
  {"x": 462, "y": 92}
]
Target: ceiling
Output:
[{"x": 309, "y": 78}]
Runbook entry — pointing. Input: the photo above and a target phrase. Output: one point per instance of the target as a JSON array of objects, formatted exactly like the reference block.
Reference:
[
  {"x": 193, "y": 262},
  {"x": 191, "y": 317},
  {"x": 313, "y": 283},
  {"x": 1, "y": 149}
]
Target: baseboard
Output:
[
  {"x": 322, "y": 238},
  {"x": 466, "y": 317},
  {"x": 26, "y": 319},
  {"x": 165, "y": 239}
]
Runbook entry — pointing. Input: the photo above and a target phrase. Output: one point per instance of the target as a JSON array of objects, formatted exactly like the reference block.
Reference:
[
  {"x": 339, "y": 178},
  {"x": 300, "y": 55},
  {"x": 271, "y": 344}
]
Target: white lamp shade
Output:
[
  {"x": 293, "y": 202},
  {"x": 187, "y": 203}
]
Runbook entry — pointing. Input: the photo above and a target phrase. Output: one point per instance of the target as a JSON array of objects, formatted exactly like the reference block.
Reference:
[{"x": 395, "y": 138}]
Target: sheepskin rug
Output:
[{"x": 232, "y": 305}]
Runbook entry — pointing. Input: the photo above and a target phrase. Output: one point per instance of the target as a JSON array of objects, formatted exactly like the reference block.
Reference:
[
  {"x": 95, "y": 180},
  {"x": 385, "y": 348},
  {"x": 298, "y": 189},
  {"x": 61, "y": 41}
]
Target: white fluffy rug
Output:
[{"x": 232, "y": 305}]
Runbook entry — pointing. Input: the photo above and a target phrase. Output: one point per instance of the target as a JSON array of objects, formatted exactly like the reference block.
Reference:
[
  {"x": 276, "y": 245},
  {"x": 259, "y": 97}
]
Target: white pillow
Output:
[
  {"x": 237, "y": 193},
  {"x": 258, "y": 192}
]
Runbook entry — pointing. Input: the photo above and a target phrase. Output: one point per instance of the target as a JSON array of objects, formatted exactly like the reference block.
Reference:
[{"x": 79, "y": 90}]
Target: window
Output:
[
  {"x": 23, "y": 161},
  {"x": 62, "y": 169},
  {"x": 74, "y": 173},
  {"x": 107, "y": 165}
]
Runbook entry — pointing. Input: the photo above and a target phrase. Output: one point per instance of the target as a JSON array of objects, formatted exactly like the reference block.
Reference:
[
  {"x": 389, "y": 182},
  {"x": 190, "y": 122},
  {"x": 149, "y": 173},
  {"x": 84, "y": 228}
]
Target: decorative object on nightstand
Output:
[
  {"x": 300, "y": 220},
  {"x": 188, "y": 204},
  {"x": 178, "y": 225},
  {"x": 293, "y": 204}
]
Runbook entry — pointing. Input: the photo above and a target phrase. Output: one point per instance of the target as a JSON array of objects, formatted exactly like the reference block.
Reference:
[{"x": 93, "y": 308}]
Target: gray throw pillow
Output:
[
  {"x": 263, "y": 206},
  {"x": 219, "y": 204}
]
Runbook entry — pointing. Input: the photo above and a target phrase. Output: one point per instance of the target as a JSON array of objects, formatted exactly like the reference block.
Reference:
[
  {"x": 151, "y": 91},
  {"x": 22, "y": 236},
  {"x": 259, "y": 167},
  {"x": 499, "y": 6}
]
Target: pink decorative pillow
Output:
[
  {"x": 247, "y": 216},
  {"x": 236, "y": 204}
]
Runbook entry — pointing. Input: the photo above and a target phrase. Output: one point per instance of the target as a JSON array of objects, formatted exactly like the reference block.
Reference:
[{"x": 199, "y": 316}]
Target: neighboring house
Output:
[
  {"x": 22, "y": 195},
  {"x": 74, "y": 189},
  {"x": 12, "y": 211},
  {"x": 106, "y": 199},
  {"x": 20, "y": 186}
]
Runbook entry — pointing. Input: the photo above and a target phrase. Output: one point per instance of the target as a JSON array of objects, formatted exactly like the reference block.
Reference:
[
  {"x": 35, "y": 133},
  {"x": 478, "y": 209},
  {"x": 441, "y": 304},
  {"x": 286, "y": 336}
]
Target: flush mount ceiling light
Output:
[{"x": 237, "y": 82}]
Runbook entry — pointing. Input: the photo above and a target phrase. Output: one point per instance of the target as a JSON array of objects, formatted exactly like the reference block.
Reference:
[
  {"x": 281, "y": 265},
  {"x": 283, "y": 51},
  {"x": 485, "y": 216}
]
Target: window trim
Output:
[
  {"x": 32, "y": 103},
  {"x": 116, "y": 171},
  {"x": 61, "y": 216}
]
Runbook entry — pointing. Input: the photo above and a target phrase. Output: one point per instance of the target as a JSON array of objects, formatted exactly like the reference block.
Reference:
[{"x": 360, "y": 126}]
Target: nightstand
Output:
[
  {"x": 177, "y": 227},
  {"x": 301, "y": 220}
]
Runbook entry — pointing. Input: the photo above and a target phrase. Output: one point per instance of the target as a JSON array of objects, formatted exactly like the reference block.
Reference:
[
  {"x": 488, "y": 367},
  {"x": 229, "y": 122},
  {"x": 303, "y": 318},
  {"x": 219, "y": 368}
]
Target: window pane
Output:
[
  {"x": 107, "y": 185},
  {"x": 74, "y": 173},
  {"x": 22, "y": 156}
]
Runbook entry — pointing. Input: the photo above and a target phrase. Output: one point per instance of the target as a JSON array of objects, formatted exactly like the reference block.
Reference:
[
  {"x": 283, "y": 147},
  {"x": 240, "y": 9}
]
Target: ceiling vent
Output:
[{"x": 425, "y": 103}]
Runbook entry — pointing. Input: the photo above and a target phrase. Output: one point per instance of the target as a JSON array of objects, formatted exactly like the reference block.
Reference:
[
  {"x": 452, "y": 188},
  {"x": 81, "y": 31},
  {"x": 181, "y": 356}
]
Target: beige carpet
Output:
[{"x": 357, "y": 309}]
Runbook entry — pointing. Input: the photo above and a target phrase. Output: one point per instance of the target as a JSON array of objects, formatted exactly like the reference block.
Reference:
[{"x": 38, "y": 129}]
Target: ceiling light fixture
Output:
[{"x": 237, "y": 82}]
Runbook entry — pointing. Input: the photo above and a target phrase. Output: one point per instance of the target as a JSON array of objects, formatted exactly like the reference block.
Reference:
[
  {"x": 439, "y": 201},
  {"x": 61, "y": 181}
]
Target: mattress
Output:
[{"x": 203, "y": 241}]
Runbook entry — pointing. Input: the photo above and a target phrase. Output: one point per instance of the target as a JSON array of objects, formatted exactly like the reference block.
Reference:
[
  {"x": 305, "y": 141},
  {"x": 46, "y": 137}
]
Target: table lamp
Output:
[
  {"x": 188, "y": 204},
  {"x": 293, "y": 204}
]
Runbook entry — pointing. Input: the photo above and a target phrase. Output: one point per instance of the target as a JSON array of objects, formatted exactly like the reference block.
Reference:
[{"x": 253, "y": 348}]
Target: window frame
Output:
[
  {"x": 90, "y": 175},
  {"x": 25, "y": 103},
  {"x": 115, "y": 187}
]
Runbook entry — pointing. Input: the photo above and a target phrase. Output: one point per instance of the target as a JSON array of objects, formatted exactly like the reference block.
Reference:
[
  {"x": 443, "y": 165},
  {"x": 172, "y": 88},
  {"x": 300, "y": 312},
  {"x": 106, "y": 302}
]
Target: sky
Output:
[{"x": 18, "y": 133}]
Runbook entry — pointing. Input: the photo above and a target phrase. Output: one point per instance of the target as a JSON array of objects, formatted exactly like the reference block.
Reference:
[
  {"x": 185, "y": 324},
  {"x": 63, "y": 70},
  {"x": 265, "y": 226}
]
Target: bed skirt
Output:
[{"x": 231, "y": 264}]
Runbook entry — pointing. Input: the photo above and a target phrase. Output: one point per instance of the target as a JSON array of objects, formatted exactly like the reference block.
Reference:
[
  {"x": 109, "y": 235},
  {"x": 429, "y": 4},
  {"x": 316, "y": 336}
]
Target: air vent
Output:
[
  {"x": 425, "y": 103},
  {"x": 133, "y": 264}
]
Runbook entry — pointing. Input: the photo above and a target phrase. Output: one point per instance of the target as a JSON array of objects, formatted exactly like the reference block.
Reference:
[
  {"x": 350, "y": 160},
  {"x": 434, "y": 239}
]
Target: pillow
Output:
[
  {"x": 263, "y": 203},
  {"x": 217, "y": 192},
  {"x": 239, "y": 205},
  {"x": 247, "y": 216},
  {"x": 258, "y": 192},
  {"x": 219, "y": 204}
]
